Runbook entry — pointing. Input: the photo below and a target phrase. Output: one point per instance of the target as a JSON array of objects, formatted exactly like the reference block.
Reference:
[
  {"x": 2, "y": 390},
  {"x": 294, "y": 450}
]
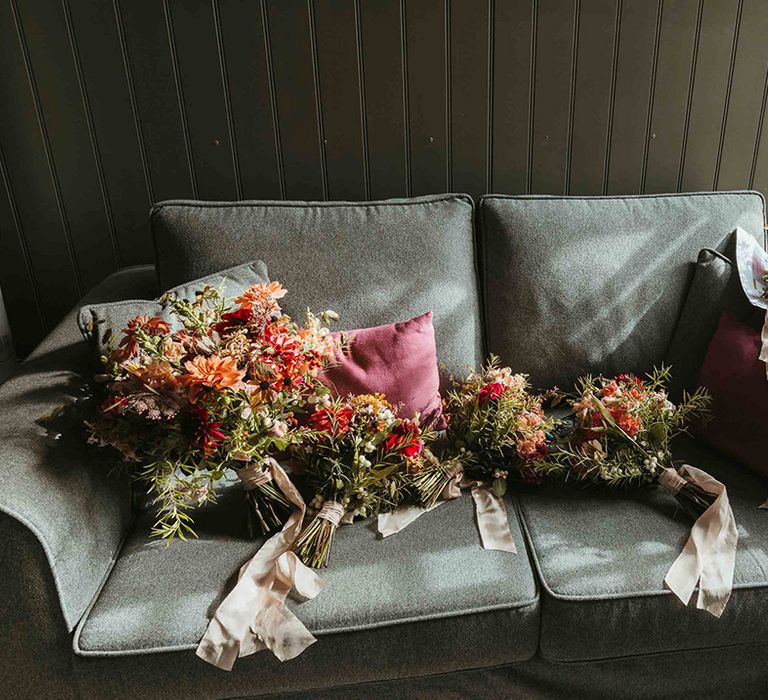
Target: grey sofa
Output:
[{"x": 91, "y": 607}]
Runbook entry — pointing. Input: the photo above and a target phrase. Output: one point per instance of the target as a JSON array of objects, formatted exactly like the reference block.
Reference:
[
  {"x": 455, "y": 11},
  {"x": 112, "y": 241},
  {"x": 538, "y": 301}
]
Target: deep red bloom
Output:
[
  {"x": 207, "y": 433},
  {"x": 334, "y": 420},
  {"x": 233, "y": 319},
  {"x": 491, "y": 391},
  {"x": 405, "y": 440}
]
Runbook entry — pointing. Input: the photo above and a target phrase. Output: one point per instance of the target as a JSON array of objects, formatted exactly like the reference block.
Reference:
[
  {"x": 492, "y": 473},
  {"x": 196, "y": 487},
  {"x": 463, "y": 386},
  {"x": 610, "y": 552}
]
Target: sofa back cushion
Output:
[
  {"x": 575, "y": 285},
  {"x": 374, "y": 263}
]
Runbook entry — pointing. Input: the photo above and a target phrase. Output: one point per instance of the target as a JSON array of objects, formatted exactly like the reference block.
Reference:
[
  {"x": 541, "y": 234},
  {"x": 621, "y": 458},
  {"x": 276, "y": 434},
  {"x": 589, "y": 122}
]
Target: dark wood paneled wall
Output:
[{"x": 108, "y": 105}]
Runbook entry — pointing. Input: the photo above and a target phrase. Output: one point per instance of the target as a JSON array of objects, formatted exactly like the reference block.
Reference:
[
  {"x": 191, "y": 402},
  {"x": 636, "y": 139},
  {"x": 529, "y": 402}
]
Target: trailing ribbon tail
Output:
[
  {"x": 253, "y": 616},
  {"x": 492, "y": 521},
  {"x": 491, "y": 513},
  {"x": 709, "y": 556}
]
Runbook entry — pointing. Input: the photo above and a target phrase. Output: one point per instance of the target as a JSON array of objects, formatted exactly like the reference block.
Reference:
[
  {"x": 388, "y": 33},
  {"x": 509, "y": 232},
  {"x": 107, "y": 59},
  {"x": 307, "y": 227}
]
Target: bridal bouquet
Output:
[
  {"x": 622, "y": 433},
  {"x": 214, "y": 384},
  {"x": 496, "y": 430},
  {"x": 357, "y": 462}
]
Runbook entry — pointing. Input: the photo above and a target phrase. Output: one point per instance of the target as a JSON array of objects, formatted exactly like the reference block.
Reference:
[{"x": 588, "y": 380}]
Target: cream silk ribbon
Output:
[
  {"x": 709, "y": 556},
  {"x": 254, "y": 617},
  {"x": 491, "y": 514}
]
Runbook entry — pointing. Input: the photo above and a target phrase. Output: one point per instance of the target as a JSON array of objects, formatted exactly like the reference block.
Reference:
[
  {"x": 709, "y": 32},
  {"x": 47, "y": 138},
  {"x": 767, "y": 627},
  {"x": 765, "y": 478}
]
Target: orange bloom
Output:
[
  {"x": 262, "y": 295},
  {"x": 151, "y": 326},
  {"x": 213, "y": 372},
  {"x": 156, "y": 375}
]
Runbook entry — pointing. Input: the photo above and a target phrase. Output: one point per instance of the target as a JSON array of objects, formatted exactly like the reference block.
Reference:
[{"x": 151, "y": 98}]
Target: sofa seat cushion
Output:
[
  {"x": 159, "y": 598},
  {"x": 373, "y": 262},
  {"x": 577, "y": 285},
  {"x": 602, "y": 556}
]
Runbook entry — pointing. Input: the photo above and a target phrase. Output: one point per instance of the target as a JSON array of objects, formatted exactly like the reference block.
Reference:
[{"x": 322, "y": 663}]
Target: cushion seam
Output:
[
  {"x": 265, "y": 203},
  {"x": 80, "y": 651},
  {"x": 603, "y": 659}
]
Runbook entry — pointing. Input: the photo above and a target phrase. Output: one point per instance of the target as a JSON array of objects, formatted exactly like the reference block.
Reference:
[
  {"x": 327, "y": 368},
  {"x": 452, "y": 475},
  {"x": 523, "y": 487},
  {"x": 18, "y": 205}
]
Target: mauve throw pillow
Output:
[
  {"x": 399, "y": 360},
  {"x": 735, "y": 377}
]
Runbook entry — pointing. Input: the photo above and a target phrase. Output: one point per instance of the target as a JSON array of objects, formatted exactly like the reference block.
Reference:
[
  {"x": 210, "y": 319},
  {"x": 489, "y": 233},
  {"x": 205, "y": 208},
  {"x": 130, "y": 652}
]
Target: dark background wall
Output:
[{"x": 108, "y": 105}]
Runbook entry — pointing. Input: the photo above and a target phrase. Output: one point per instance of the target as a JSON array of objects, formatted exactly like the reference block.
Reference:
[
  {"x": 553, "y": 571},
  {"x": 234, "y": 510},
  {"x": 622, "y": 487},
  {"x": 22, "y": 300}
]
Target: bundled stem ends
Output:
[
  {"x": 693, "y": 499},
  {"x": 313, "y": 545}
]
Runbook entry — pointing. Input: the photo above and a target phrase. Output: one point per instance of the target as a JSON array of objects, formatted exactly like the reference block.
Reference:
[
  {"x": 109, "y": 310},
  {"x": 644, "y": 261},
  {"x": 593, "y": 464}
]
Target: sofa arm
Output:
[{"x": 63, "y": 495}]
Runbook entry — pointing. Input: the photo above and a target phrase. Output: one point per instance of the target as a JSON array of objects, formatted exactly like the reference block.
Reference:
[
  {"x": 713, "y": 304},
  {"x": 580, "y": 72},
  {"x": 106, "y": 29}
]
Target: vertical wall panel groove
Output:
[
  {"x": 180, "y": 96},
  {"x": 592, "y": 96},
  {"x": 552, "y": 96},
  {"x": 385, "y": 90},
  {"x": 318, "y": 97},
  {"x": 729, "y": 86},
  {"x": 709, "y": 88},
  {"x": 227, "y": 98},
  {"x": 691, "y": 83},
  {"x": 406, "y": 98},
  {"x": 572, "y": 97},
  {"x": 469, "y": 98},
  {"x": 91, "y": 132},
  {"x": 35, "y": 213},
  {"x": 745, "y": 98},
  {"x": 652, "y": 93},
  {"x": 678, "y": 34},
  {"x": 272, "y": 97},
  {"x": 144, "y": 34},
  {"x": 291, "y": 45},
  {"x": 17, "y": 275},
  {"x": 512, "y": 88},
  {"x": 361, "y": 90},
  {"x": 634, "y": 66},
  {"x": 47, "y": 147},
  {"x": 107, "y": 105},
  {"x": 132, "y": 98},
  {"x": 336, "y": 44}
]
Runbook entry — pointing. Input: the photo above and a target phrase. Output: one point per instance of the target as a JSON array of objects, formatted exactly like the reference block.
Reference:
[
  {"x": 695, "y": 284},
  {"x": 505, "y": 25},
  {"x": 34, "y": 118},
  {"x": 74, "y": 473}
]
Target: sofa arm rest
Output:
[{"x": 63, "y": 494}]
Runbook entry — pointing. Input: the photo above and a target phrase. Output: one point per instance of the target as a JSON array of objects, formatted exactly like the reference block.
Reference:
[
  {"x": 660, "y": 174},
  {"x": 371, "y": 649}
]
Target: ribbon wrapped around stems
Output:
[
  {"x": 491, "y": 513},
  {"x": 709, "y": 556},
  {"x": 254, "y": 617}
]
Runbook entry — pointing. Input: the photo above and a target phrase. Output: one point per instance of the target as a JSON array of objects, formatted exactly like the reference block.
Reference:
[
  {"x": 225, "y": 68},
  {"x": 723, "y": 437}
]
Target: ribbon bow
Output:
[
  {"x": 254, "y": 616},
  {"x": 490, "y": 511},
  {"x": 709, "y": 556}
]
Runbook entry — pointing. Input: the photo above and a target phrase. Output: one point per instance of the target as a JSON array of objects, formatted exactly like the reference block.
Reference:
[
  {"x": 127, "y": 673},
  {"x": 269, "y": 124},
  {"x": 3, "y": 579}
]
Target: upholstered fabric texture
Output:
[
  {"x": 60, "y": 491},
  {"x": 435, "y": 570},
  {"x": 602, "y": 556},
  {"x": 398, "y": 360},
  {"x": 585, "y": 284},
  {"x": 374, "y": 263},
  {"x": 715, "y": 289},
  {"x": 102, "y": 323}
]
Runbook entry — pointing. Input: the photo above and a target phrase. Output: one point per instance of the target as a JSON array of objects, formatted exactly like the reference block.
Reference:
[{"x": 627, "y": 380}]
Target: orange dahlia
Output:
[{"x": 212, "y": 372}]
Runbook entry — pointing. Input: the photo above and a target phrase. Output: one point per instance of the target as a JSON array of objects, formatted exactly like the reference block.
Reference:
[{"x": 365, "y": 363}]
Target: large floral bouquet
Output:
[
  {"x": 212, "y": 385},
  {"x": 496, "y": 430},
  {"x": 622, "y": 431},
  {"x": 357, "y": 463}
]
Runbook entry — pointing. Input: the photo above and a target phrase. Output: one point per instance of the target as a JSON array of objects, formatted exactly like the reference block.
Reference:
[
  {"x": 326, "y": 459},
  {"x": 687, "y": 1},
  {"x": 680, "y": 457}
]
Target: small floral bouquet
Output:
[
  {"x": 496, "y": 428},
  {"x": 357, "y": 463},
  {"x": 213, "y": 385},
  {"x": 622, "y": 433}
]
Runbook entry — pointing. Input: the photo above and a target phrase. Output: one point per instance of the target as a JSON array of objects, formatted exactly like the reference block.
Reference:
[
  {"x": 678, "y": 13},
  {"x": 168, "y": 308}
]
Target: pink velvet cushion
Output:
[
  {"x": 735, "y": 378},
  {"x": 399, "y": 360}
]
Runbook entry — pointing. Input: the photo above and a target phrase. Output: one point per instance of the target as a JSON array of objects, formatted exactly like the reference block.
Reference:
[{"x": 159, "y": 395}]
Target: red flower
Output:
[
  {"x": 207, "y": 433},
  {"x": 405, "y": 440},
  {"x": 334, "y": 420},
  {"x": 491, "y": 391},
  {"x": 233, "y": 319}
]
